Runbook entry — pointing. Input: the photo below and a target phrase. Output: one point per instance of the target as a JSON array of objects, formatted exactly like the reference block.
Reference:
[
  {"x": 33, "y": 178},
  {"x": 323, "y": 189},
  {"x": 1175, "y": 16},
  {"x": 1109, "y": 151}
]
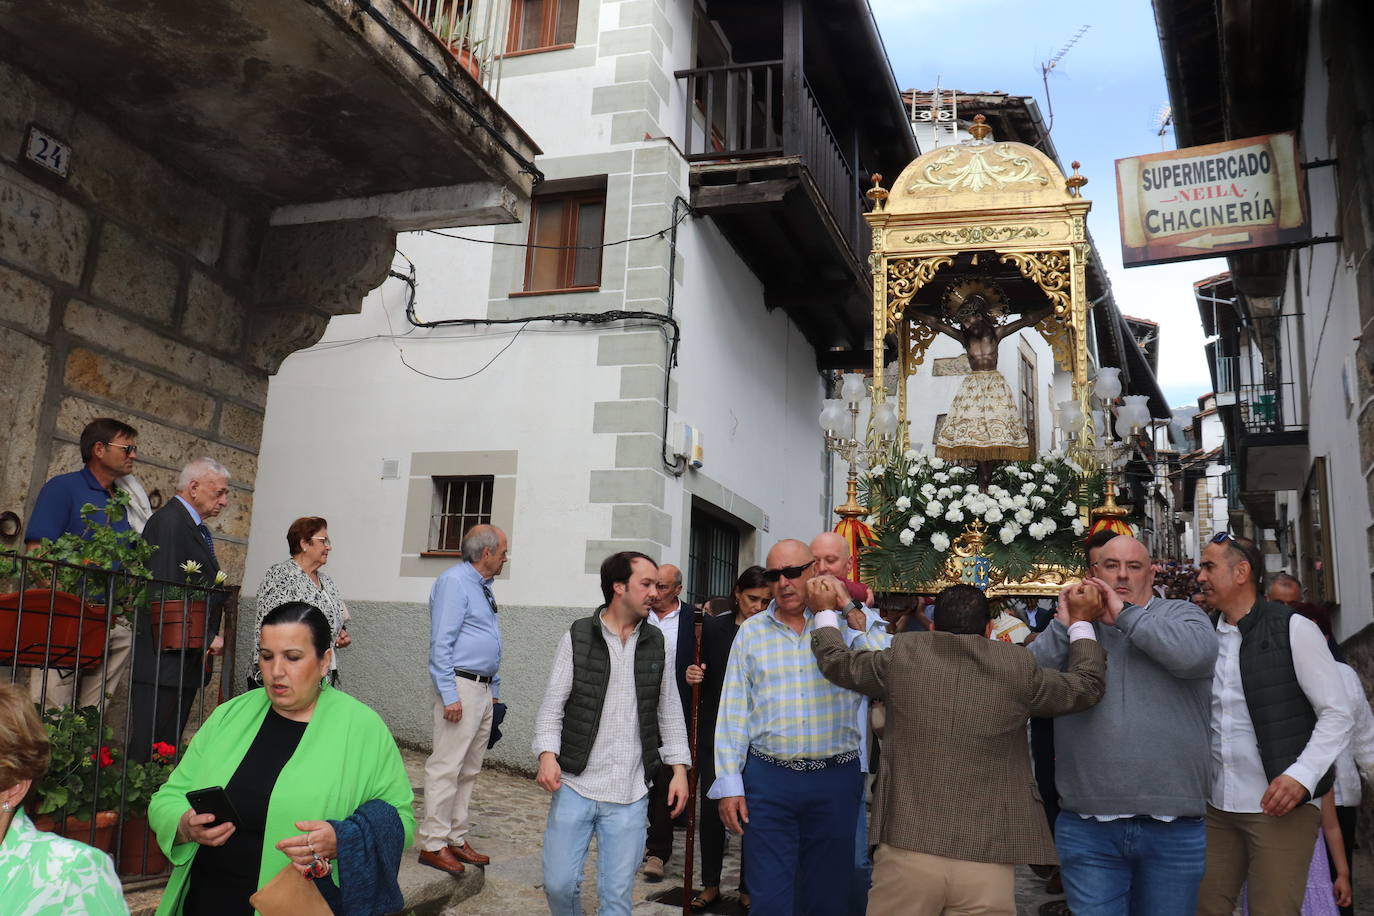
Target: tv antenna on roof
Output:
[
  {"x": 1053, "y": 62},
  {"x": 1163, "y": 119}
]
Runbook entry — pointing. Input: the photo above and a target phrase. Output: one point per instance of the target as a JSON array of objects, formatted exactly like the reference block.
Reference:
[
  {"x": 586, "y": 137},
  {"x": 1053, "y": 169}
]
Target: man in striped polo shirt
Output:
[{"x": 787, "y": 746}]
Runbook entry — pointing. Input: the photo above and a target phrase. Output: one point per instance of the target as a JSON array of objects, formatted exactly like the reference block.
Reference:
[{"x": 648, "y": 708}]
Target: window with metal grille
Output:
[
  {"x": 713, "y": 557},
  {"x": 459, "y": 503},
  {"x": 1027, "y": 378},
  {"x": 565, "y": 240},
  {"x": 541, "y": 24}
]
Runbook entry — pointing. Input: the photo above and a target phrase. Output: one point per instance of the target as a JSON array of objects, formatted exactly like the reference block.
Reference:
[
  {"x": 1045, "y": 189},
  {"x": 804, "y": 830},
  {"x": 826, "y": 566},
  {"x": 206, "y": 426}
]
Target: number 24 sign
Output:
[{"x": 44, "y": 149}]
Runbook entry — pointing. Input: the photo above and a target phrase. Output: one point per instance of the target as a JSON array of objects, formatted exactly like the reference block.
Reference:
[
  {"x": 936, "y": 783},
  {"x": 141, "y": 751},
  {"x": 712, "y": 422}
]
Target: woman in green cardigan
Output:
[{"x": 292, "y": 756}]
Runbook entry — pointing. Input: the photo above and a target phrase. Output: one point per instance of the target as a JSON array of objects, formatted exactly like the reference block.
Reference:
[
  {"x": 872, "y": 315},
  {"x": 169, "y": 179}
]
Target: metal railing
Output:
[
  {"x": 1228, "y": 370},
  {"x": 474, "y": 31},
  {"x": 1268, "y": 408},
  {"x": 739, "y": 112},
  {"x": 96, "y": 650}
]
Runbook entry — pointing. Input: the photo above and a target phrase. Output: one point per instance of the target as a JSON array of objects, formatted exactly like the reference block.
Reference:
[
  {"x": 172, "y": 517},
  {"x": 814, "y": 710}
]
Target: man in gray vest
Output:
[
  {"x": 1132, "y": 770},
  {"x": 1280, "y": 716},
  {"x": 610, "y": 714}
]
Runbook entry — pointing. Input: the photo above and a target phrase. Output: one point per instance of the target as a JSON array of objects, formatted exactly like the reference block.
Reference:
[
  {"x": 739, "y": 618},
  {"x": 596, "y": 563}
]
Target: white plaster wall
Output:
[
  {"x": 748, "y": 379},
  {"x": 1322, "y": 285}
]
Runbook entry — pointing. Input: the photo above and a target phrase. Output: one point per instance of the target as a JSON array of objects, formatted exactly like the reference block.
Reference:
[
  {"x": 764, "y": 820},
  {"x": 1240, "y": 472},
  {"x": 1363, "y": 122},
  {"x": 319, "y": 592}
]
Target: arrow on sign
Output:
[{"x": 1210, "y": 240}]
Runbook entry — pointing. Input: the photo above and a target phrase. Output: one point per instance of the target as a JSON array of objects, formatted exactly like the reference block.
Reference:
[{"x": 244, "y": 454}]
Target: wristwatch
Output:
[{"x": 854, "y": 605}]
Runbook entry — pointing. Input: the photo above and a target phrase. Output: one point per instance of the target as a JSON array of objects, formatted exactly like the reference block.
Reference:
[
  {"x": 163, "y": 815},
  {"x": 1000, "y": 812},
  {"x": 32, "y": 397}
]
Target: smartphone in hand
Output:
[{"x": 214, "y": 801}]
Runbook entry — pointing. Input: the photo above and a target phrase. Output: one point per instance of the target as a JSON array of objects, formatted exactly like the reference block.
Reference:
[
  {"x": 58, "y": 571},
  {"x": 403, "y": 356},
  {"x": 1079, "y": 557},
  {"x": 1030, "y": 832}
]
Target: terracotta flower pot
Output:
[
  {"x": 78, "y": 631},
  {"x": 73, "y": 829},
  {"x": 178, "y": 624},
  {"x": 139, "y": 853}
]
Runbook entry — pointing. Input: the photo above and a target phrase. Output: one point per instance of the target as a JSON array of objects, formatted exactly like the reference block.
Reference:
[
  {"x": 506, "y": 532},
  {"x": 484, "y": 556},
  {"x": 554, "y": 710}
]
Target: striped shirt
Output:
[{"x": 776, "y": 700}]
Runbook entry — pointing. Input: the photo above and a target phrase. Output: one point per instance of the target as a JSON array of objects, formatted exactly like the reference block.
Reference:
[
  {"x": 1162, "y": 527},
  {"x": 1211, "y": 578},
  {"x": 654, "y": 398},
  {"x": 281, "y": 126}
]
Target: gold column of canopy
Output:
[{"x": 983, "y": 202}]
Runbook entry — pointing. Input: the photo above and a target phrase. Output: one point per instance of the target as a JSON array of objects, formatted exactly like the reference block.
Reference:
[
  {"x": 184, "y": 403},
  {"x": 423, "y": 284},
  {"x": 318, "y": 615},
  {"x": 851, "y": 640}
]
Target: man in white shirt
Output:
[
  {"x": 610, "y": 714},
  {"x": 1280, "y": 716}
]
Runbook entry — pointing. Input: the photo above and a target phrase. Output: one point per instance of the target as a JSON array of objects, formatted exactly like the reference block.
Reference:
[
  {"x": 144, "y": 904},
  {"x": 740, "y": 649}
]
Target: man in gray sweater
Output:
[{"x": 1133, "y": 771}]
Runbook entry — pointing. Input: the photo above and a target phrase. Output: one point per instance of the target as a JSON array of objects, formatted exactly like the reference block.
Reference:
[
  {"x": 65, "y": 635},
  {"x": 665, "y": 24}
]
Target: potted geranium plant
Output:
[
  {"x": 178, "y": 613},
  {"x": 84, "y": 573},
  {"x": 139, "y": 853},
  {"x": 78, "y": 797}
]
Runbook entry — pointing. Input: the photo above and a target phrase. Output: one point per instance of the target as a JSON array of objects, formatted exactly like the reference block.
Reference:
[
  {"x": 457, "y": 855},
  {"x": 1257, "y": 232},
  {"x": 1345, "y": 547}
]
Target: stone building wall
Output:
[{"x": 133, "y": 291}]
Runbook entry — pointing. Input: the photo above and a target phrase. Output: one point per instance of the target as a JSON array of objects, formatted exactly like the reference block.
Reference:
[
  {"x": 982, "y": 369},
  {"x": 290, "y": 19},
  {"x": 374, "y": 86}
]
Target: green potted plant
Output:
[
  {"x": 178, "y": 611},
  {"x": 70, "y": 593},
  {"x": 78, "y": 796},
  {"x": 139, "y": 853}
]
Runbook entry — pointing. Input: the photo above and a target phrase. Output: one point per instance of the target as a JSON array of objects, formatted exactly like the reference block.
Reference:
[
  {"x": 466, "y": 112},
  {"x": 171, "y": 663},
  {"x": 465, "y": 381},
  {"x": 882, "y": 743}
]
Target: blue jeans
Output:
[
  {"x": 619, "y": 832},
  {"x": 1137, "y": 865},
  {"x": 800, "y": 837},
  {"x": 863, "y": 866}
]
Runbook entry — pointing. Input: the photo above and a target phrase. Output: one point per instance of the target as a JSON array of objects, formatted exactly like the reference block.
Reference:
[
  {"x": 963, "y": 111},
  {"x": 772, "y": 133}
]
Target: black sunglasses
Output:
[
  {"x": 1221, "y": 537},
  {"x": 771, "y": 576}
]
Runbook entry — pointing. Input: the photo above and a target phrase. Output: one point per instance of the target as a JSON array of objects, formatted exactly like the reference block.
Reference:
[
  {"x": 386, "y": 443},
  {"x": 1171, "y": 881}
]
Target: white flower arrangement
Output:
[{"x": 921, "y": 504}]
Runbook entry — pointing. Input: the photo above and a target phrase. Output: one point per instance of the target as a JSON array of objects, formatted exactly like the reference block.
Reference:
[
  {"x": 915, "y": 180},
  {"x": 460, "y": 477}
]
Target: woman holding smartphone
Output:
[{"x": 297, "y": 760}]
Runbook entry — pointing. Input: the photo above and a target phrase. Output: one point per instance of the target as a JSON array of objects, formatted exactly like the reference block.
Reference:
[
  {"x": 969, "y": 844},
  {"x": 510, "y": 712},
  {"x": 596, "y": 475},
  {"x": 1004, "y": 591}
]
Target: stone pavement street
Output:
[{"x": 508, "y": 824}]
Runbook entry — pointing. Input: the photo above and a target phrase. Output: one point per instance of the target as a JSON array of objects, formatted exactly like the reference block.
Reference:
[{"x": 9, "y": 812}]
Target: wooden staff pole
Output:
[{"x": 689, "y": 864}]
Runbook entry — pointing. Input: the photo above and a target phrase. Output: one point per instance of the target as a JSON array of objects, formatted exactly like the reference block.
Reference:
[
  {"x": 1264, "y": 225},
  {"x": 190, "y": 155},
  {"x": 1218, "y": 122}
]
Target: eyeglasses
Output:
[
  {"x": 327, "y": 542},
  {"x": 128, "y": 449},
  {"x": 787, "y": 572},
  {"x": 1221, "y": 537}
]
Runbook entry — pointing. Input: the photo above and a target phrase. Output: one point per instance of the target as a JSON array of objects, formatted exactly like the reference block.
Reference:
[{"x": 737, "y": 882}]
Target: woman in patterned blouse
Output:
[
  {"x": 41, "y": 873},
  {"x": 300, "y": 579}
]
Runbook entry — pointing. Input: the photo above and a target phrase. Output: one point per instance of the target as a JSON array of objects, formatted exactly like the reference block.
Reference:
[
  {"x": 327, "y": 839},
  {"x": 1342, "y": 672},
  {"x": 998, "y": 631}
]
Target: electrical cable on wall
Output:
[
  {"x": 665, "y": 321},
  {"x": 444, "y": 83}
]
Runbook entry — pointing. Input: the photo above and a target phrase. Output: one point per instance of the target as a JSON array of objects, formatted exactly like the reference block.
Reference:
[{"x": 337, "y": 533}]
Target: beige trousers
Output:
[
  {"x": 54, "y": 687},
  {"x": 907, "y": 883},
  {"x": 1272, "y": 853},
  {"x": 452, "y": 768}
]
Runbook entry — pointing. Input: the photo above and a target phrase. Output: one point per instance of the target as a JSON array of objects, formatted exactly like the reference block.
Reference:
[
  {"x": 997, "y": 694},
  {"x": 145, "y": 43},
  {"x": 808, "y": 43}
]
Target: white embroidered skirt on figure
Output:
[{"x": 983, "y": 423}]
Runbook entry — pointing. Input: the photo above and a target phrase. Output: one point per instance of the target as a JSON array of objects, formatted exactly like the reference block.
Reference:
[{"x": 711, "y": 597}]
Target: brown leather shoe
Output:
[
  {"x": 466, "y": 853},
  {"x": 442, "y": 859}
]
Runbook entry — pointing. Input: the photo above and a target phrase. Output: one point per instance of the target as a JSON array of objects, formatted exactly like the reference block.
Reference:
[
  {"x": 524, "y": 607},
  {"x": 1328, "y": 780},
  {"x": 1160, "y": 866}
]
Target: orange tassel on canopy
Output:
[{"x": 858, "y": 536}]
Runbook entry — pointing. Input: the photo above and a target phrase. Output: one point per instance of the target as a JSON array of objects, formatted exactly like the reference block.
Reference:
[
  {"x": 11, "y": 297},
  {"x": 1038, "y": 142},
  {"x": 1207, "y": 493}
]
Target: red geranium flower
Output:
[
  {"x": 104, "y": 757},
  {"x": 163, "y": 749}
]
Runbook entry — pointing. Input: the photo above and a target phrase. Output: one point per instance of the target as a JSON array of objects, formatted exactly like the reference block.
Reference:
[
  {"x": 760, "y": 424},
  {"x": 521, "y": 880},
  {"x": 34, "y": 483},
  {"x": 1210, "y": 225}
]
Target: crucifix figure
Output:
[{"x": 983, "y": 423}]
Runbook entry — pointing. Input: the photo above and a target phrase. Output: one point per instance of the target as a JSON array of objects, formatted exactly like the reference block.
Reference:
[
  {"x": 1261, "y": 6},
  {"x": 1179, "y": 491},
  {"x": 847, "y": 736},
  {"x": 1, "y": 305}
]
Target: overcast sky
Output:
[{"x": 1107, "y": 93}]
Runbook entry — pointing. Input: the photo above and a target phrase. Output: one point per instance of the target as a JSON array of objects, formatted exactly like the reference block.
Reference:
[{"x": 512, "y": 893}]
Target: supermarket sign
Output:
[{"x": 1212, "y": 200}]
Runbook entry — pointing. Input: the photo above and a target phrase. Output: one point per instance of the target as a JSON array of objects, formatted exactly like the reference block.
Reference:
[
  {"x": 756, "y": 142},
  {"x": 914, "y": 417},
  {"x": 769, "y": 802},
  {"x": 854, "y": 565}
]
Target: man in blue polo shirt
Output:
[{"x": 107, "y": 451}]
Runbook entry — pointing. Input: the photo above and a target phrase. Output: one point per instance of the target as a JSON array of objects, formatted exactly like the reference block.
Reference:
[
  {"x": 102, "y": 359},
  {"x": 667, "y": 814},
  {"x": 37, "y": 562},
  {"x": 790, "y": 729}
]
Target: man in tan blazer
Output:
[{"x": 958, "y": 702}]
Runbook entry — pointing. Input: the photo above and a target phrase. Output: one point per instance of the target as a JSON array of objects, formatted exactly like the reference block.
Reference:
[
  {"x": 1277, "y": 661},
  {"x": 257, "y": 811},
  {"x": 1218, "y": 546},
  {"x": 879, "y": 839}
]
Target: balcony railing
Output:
[
  {"x": 1268, "y": 408},
  {"x": 1228, "y": 370},
  {"x": 474, "y": 31},
  {"x": 69, "y": 626},
  {"x": 738, "y": 112}
]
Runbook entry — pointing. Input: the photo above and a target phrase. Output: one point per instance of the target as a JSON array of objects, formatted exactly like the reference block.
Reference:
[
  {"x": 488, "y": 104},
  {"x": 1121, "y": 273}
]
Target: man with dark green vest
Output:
[
  {"x": 610, "y": 714},
  {"x": 1280, "y": 716}
]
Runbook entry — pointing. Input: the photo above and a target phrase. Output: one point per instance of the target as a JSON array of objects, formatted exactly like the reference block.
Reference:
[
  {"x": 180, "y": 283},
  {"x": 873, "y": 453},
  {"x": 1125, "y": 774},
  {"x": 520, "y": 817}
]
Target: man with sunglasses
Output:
[
  {"x": 787, "y": 746},
  {"x": 107, "y": 454},
  {"x": 1279, "y": 718},
  {"x": 1132, "y": 771}
]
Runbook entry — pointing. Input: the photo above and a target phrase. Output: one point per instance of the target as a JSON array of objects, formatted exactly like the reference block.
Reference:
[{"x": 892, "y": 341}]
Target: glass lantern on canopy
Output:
[
  {"x": 1100, "y": 447},
  {"x": 839, "y": 420}
]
